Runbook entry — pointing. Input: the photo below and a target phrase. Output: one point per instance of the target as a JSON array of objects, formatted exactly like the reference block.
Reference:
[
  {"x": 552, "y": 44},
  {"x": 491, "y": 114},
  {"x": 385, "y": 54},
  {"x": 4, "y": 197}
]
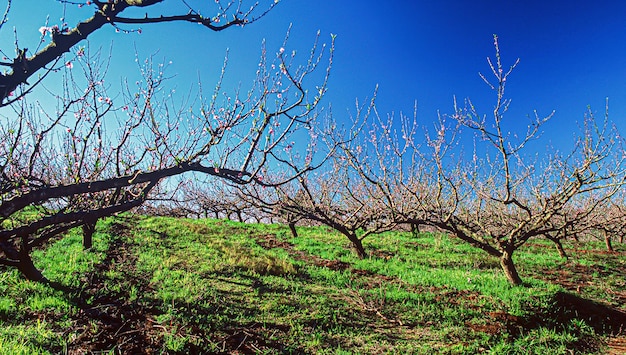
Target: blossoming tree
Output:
[{"x": 85, "y": 156}]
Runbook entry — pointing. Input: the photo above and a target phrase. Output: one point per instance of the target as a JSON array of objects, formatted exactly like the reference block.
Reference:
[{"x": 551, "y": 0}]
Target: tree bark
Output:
[
  {"x": 607, "y": 240},
  {"x": 88, "y": 229},
  {"x": 20, "y": 258},
  {"x": 357, "y": 244},
  {"x": 560, "y": 249},
  {"x": 506, "y": 262},
  {"x": 28, "y": 269},
  {"x": 292, "y": 228}
]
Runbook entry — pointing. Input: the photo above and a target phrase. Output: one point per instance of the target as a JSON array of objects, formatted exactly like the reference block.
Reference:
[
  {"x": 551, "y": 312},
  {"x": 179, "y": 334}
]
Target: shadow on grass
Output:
[
  {"x": 113, "y": 320},
  {"x": 603, "y": 319}
]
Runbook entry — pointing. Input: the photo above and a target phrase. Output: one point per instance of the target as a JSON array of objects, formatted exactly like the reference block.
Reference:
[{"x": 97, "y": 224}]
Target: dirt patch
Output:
[
  {"x": 107, "y": 319},
  {"x": 498, "y": 323},
  {"x": 269, "y": 241},
  {"x": 252, "y": 339},
  {"x": 575, "y": 278}
]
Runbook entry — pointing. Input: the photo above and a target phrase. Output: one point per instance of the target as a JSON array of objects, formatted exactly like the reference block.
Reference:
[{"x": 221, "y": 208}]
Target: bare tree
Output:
[
  {"x": 96, "y": 154},
  {"x": 495, "y": 198},
  {"x": 217, "y": 200},
  {"x": 332, "y": 195},
  {"x": 499, "y": 202},
  {"x": 606, "y": 222}
]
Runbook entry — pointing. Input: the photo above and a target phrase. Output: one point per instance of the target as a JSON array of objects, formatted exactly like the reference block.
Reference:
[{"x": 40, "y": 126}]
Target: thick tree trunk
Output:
[
  {"x": 558, "y": 245},
  {"x": 20, "y": 258},
  {"x": 26, "y": 265},
  {"x": 357, "y": 244},
  {"x": 28, "y": 269},
  {"x": 292, "y": 228},
  {"x": 506, "y": 262}
]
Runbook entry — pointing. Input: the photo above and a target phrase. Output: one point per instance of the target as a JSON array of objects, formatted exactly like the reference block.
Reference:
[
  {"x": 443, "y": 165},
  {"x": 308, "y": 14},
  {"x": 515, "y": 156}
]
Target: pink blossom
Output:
[{"x": 69, "y": 65}]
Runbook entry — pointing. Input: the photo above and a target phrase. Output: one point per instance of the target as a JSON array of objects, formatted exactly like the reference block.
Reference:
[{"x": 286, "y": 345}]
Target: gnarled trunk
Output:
[
  {"x": 561, "y": 250},
  {"x": 357, "y": 245},
  {"x": 559, "y": 247},
  {"x": 28, "y": 269},
  {"x": 19, "y": 257},
  {"x": 506, "y": 262}
]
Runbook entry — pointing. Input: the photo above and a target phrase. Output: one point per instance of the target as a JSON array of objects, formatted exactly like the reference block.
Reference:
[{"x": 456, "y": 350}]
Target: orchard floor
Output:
[{"x": 155, "y": 285}]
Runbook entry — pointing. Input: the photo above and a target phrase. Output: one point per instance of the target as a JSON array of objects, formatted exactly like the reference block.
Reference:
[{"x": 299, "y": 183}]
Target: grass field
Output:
[{"x": 165, "y": 285}]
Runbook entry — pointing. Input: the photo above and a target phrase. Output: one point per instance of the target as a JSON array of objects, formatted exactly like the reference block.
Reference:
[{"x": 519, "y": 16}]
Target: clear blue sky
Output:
[{"x": 572, "y": 53}]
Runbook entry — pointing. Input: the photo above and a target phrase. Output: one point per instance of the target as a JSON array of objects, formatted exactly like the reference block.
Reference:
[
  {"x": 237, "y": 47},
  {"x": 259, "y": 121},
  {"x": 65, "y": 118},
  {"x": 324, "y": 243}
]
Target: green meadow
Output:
[{"x": 158, "y": 285}]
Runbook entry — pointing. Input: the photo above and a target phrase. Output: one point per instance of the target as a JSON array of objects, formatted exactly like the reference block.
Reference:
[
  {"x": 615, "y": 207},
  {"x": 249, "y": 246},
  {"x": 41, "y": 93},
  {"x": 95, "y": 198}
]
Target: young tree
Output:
[{"x": 94, "y": 153}]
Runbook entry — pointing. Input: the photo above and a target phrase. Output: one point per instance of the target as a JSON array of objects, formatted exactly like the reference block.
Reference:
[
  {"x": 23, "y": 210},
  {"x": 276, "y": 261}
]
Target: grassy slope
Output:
[{"x": 206, "y": 286}]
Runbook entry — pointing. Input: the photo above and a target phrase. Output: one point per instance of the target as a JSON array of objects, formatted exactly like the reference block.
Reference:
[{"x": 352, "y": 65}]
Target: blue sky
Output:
[{"x": 572, "y": 53}]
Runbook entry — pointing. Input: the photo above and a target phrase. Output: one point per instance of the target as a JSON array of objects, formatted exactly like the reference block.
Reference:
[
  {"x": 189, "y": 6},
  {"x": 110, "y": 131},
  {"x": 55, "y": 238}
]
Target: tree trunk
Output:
[
  {"x": 415, "y": 229},
  {"x": 559, "y": 247},
  {"x": 357, "y": 244},
  {"x": 88, "y": 229},
  {"x": 607, "y": 240},
  {"x": 28, "y": 269},
  {"x": 292, "y": 228},
  {"x": 26, "y": 265},
  {"x": 561, "y": 250},
  {"x": 22, "y": 260},
  {"x": 506, "y": 261}
]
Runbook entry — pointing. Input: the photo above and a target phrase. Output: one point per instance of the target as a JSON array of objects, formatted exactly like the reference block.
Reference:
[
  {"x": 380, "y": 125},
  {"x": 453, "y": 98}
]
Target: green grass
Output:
[{"x": 170, "y": 285}]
